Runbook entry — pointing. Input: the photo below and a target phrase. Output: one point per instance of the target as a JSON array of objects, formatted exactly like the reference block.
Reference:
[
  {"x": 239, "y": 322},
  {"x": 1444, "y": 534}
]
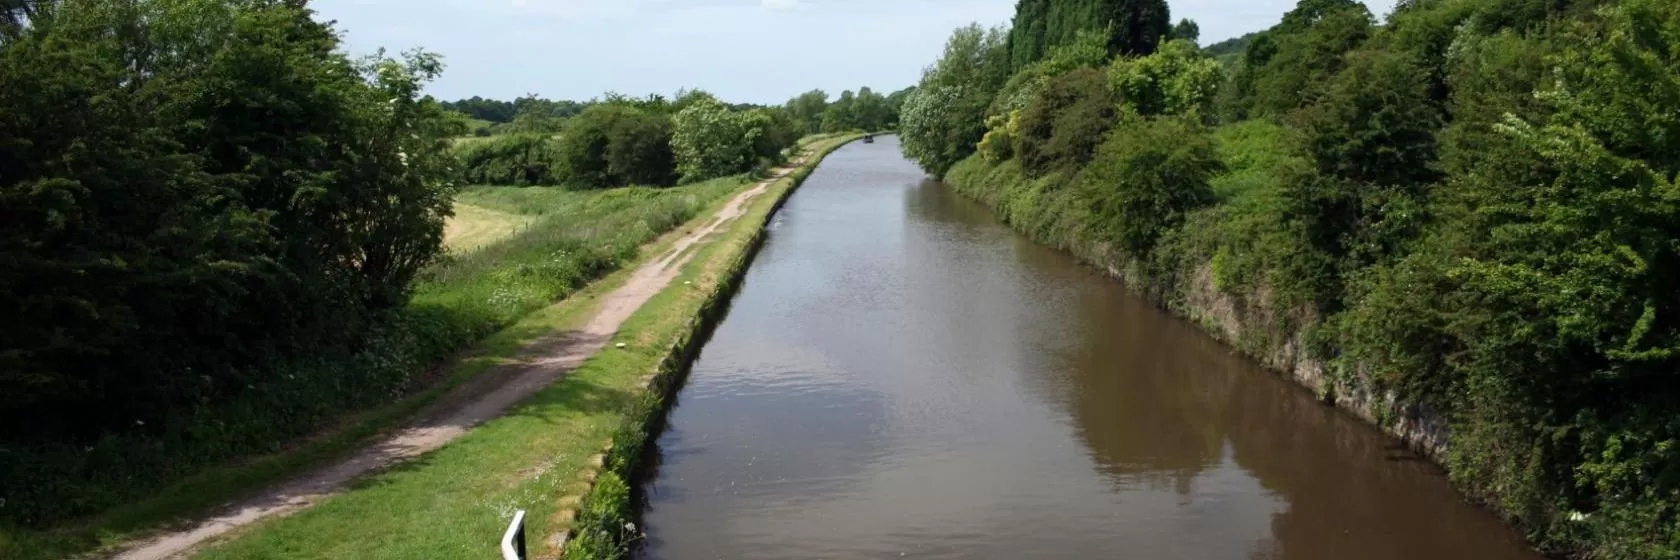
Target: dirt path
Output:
[{"x": 480, "y": 399}]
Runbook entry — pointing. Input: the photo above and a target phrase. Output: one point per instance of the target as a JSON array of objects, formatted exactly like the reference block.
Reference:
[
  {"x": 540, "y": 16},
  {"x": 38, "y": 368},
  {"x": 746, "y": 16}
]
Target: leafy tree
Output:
[
  {"x": 710, "y": 140},
  {"x": 807, "y": 110},
  {"x": 1132, "y": 27},
  {"x": 612, "y": 144},
  {"x": 639, "y": 150},
  {"x": 943, "y": 119},
  {"x": 895, "y": 105},
  {"x": 775, "y": 133},
  {"x": 1186, "y": 30},
  {"x": 842, "y": 114}
]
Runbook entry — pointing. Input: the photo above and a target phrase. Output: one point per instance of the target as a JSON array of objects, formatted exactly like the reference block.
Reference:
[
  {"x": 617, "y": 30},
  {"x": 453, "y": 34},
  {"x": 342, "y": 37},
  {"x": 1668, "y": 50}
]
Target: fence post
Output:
[{"x": 513, "y": 541}]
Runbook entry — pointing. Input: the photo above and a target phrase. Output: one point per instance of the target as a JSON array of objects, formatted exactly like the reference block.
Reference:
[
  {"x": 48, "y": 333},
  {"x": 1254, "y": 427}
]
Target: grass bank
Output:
[
  {"x": 544, "y": 453},
  {"x": 568, "y": 240}
]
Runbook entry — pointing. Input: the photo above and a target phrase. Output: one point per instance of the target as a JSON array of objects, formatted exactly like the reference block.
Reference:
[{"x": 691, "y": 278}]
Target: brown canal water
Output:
[{"x": 902, "y": 375}]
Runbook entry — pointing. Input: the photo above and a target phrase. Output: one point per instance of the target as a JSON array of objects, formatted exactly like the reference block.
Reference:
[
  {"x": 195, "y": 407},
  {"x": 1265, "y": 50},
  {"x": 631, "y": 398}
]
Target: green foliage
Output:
[
  {"x": 777, "y": 134},
  {"x": 639, "y": 150},
  {"x": 484, "y": 109},
  {"x": 867, "y": 110},
  {"x": 944, "y": 118},
  {"x": 1146, "y": 177},
  {"x": 1131, "y": 27},
  {"x": 711, "y": 140},
  {"x": 807, "y": 110},
  {"x": 515, "y": 159},
  {"x": 1376, "y": 123},
  {"x": 1002, "y": 133},
  {"x": 1186, "y": 30},
  {"x": 614, "y": 144},
  {"x": 1289, "y": 65},
  {"x": 214, "y": 217},
  {"x": 535, "y": 115},
  {"x": 1064, "y": 123},
  {"x": 1177, "y": 80},
  {"x": 1087, "y": 50}
]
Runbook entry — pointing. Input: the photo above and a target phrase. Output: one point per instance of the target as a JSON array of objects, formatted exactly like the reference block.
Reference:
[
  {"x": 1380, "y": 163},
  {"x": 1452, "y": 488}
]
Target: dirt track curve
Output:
[{"x": 480, "y": 399}]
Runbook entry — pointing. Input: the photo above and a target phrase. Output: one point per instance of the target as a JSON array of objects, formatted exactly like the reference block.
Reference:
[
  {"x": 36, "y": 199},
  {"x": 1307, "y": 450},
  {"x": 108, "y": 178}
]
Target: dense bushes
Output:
[
  {"x": 1063, "y": 124},
  {"x": 1178, "y": 79},
  {"x": 1467, "y": 214},
  {"x": 182, "y": 228},
  {"x": 513, "y": 159},
  {"x": 1146, "y": 178},
  {"x": 614, "y": 144}
]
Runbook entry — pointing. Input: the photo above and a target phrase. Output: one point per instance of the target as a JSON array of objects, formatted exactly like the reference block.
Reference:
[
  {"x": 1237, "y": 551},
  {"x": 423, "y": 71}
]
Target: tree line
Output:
[
  {"x": 1474, "y": 202},
  {"x": 656, "y": 141},
  {"x": 648, "y": 141},
  {"x": 864, "y": 110}
]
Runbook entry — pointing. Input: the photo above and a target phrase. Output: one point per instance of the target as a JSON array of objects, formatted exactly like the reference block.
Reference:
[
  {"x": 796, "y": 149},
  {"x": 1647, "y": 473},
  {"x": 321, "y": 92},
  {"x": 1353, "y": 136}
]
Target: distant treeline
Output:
[
  {"x": 1471, "y": 209},
  {"x": 656, "y": 141}
]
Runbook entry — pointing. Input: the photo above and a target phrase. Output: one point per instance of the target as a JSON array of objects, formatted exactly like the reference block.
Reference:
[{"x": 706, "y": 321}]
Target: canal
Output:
[{"x": 902, "y": 375}]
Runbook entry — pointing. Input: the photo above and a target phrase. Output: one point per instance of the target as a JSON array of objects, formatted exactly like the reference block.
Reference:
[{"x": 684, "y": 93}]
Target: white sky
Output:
[{"x": 761, "y": 51}]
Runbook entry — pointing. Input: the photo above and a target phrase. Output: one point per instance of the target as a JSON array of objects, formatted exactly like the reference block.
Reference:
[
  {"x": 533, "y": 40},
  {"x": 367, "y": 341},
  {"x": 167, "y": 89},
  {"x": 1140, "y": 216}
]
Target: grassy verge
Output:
[
  {"x": 453, "y": 503},
  {"x": 570, "y": 239}
]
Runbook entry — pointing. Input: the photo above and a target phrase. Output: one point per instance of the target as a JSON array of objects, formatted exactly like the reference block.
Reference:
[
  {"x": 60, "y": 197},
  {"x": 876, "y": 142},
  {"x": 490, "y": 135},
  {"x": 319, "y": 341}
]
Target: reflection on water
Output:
[{"x": 901, "y": 374}]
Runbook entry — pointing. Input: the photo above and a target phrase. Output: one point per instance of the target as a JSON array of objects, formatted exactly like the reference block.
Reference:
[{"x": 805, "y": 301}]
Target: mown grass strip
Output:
[{"x": 453, "y": 503}]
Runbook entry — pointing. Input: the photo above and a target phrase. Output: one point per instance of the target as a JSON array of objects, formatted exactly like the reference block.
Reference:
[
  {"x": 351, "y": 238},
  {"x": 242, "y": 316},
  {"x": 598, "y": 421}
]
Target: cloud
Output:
[{"x": 780, "y": 4}]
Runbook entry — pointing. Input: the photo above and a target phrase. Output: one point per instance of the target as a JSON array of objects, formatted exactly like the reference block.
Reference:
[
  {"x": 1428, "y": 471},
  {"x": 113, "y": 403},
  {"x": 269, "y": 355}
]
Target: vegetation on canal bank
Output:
[
  {"x": 540, "y": 456},
  {"x": 1460, "y": 222}
]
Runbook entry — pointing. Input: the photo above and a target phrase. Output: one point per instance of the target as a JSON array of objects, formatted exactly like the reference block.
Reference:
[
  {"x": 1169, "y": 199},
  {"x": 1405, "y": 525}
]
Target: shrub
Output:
[
  {"x": 1178, "y": 79},
  {"x": 1146, "y": 177},
  {"x": 639, "y": 150},
  {"x": 1064, "y": 124},
  {"x": 514, "y": 159}
]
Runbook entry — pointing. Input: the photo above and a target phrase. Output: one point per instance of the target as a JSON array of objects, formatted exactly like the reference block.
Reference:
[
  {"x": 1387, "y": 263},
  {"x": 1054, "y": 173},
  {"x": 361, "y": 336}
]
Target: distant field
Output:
[{"x": 473, "y": 227}]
